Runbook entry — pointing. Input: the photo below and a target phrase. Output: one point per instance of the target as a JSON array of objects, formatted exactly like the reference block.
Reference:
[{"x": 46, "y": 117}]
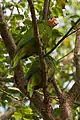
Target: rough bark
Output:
[
  {"x": 41, "y": 106},
  {"x": 64, "y": 100},
  {"x": 66, "y": 108}
]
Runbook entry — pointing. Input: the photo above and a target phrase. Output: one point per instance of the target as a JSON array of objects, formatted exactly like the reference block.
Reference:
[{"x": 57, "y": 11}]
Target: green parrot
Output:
[
  {"x": 27, "y": 45},
  {"x": 33, "y": 78}
]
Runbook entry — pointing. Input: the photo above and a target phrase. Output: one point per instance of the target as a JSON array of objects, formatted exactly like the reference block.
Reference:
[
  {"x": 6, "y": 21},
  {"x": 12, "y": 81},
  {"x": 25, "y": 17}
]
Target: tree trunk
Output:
[{"x": 66, "y": 109}]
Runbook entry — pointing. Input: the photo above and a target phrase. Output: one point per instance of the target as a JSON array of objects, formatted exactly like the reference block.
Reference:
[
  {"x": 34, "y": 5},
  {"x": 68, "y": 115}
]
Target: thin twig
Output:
[
  {"x": 57, "y": 88},
  {"x": 18, "y": 10},
  {"x": 64, "y": 56},
  {"x": 73, "y": 32},
  {"x": 10, "y": 17},
  {"x": 67, "y": 85},
  {"x": 61, "y": 40}
]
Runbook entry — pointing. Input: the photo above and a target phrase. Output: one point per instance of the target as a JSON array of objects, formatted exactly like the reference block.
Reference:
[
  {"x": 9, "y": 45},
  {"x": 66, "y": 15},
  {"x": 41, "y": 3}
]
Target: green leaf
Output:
[{"x": 18, "y": 17}]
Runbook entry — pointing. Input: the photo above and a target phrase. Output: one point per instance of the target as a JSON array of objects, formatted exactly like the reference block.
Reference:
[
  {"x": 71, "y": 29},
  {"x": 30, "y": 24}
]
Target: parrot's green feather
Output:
[
  {"x": 26, "y": 36},
  {"x": 27, "y": 45},
  {"x": 35, "y": 79}
]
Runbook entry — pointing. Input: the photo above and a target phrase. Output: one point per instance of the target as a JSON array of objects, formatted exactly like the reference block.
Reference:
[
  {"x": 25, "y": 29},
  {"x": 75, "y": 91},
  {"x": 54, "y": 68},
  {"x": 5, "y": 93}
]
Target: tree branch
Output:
[
  {"x": 71, "y": 96},
  {"x": 43, "y": 64},
  {"x": 46, "y": 9},
  {"x": 74, "y": 91},
  {"x": 11, "y": 48},
  {"x": 73, "y": 32},
  {"x": 60, "y": 59},
  {"x": 68, "y": 58},
  {"x": 61, "y": 40},
  {"x": 57, "y": 88},
  {"x": 41, "y": 106},
  {"x": 46, "y": 94},
  {"x": 11, "y": 15},
  {"x": 6, "y": 35}
]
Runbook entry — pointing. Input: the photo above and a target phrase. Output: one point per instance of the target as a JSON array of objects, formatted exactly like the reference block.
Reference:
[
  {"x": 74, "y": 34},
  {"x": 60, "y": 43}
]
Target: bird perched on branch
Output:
[
  {"x": 27, "y": 45},
  {"x": 33, "y": 77}
]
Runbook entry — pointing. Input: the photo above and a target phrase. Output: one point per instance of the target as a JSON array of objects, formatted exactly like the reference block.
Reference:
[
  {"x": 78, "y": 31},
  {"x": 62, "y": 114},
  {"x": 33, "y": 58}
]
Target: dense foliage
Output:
[{"x": 18, "y": 18}]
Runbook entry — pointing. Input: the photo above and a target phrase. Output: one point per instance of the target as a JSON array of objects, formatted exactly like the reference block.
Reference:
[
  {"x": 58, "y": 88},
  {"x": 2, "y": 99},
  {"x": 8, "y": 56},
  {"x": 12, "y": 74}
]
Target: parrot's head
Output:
[{"x": 53, "y": 22}]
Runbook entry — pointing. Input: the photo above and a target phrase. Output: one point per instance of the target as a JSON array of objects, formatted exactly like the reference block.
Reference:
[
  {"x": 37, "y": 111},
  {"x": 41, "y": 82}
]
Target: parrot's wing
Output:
[
  {"x": 27, "y": 45},
  {"x": 26, "y": 36},
  {"x": 34, "y": 73},
  {"x": 34, "y": 81},
  {"x": 25, "y": 50},
  {"x": 33, "y": 76},
  {"x": 24, "y": 46},
  {"x": 35, "y": 65}
]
